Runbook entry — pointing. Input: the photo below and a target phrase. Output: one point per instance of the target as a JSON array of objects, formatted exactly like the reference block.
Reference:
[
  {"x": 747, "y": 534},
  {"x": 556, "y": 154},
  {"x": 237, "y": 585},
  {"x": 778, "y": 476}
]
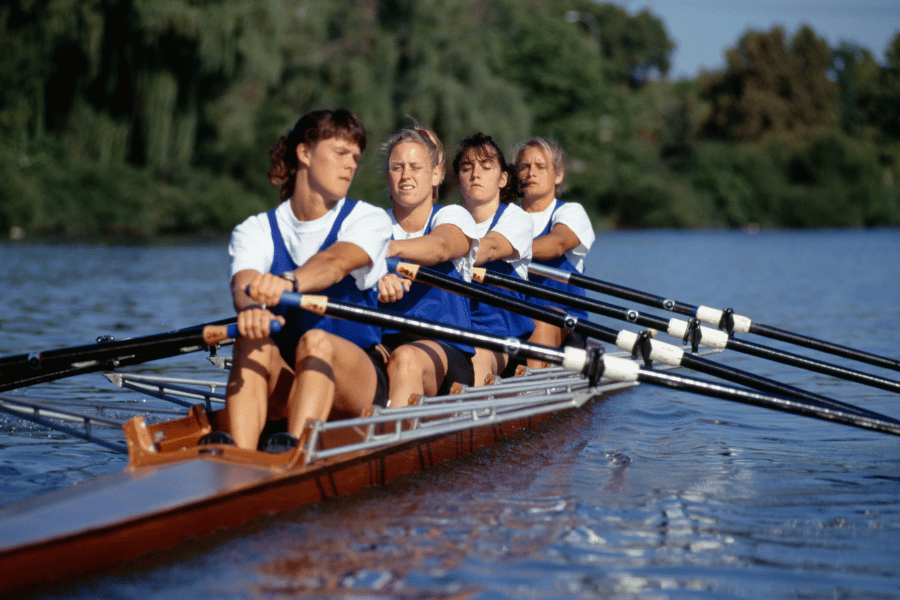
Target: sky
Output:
[{"x": 704, "y": 29}]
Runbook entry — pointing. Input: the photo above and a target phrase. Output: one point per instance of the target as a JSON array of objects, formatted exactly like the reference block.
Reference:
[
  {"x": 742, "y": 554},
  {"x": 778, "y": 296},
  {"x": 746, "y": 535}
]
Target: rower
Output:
[
  {"x": 316, "y": 240},
  {"x": 563, "y": 233},
  {"x": 505, "y": 233},
  {"x": 443, "y": 238}
]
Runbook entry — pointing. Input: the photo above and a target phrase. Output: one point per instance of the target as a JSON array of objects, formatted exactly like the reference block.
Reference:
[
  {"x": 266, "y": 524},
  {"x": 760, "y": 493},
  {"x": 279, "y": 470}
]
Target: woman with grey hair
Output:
[{"x": 563, "y": 233}]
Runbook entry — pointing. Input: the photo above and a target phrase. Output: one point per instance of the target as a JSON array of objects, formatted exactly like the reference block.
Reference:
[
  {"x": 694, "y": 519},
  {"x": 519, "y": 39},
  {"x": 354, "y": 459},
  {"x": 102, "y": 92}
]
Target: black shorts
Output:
[
  {"x": 459, "y": 363},
  {"x": 381, "y": 385}
]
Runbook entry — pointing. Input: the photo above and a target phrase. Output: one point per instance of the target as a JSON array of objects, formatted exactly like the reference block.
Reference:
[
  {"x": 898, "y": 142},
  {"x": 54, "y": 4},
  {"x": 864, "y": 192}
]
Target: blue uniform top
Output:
[
  {"x": 494, "y": 320},
  {"x": 560, "y": 262},
  {"x": 424, "y": 301},
  {"x": 299, "y": 321}
]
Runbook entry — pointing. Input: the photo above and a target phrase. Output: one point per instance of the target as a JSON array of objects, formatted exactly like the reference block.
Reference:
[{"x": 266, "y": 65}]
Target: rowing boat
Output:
[{"x": 173, "y": 489}]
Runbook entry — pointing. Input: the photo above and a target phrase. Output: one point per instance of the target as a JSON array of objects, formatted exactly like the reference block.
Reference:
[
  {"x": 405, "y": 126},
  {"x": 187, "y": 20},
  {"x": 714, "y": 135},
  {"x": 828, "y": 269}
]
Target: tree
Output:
[
  {"x": 879, "y": 91},
  {"x": 772, "y": 86}
]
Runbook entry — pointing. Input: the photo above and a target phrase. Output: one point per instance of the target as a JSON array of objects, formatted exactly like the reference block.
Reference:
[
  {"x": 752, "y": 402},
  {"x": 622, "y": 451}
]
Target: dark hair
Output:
[
  {"x": 310, "y": 129},
  {"x": 485, "y": 147}
]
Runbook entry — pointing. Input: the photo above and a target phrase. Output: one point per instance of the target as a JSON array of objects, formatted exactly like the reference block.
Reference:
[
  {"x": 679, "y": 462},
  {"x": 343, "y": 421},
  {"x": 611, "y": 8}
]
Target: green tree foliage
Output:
[
  {"x": 772, "y": 86},
  {"x": 157, "y": 116}
]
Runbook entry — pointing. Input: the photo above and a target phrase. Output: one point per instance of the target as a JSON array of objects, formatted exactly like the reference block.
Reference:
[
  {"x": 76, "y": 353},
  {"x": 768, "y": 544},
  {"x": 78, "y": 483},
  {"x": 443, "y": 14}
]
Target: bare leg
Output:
[
  {"x": 416, "y": 368},
  {"x": 334, "y": 376},
  {"x": 548, "y": 335},
  {"x": 487, "y": 362},
  {"x": 258, "y": 373}
]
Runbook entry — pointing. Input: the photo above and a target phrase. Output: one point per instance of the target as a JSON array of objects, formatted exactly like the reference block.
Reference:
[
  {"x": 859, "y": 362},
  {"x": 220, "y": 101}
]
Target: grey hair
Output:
[{"x": 554, "y": 153}]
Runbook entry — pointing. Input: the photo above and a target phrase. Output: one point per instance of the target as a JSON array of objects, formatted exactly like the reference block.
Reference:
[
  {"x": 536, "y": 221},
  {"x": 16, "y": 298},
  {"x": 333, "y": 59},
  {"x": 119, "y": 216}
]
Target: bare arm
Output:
[
  {"x": 322, "y": 270},
  {"x": 560, "y": 240},
  {"x": 493, "y": 247},
  {"x": 445, "y": 242}
]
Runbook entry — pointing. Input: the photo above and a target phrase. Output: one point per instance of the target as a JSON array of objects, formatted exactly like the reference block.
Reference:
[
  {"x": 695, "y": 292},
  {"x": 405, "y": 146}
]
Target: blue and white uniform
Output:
[
  {"x": 424, "y": 301},
  {"x": 516, "y": 226},
  {"x": 575, "y": 218},
  {"x": 276, "y": 241}
]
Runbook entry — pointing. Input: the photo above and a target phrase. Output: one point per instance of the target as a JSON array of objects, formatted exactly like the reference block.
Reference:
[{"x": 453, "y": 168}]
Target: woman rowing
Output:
[
  {"x": 505, "y": 232},
  {"x": 563, "y": 233},
  {"x": 316, "y": 240},
  {"x": 443, "y": 238}
]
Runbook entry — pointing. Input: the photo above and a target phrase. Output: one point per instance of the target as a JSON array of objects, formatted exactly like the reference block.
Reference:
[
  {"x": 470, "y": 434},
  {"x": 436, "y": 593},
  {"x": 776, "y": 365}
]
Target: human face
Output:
[
  {"x": 411, "y": 177},
  {"x": 537, "y": 177},
  {"x": 480, "y": 178},
  {"x": 331, "y": 165}
]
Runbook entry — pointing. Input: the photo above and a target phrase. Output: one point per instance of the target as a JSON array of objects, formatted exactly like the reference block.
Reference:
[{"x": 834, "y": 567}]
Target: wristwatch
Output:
[{"x": 290, "y": 276}]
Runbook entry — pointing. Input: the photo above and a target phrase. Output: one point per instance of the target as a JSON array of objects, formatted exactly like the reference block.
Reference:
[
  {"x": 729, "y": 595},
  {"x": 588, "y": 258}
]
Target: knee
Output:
[
  {"x": 403, "y": 362},
  {"x": 316, "y": 343}
]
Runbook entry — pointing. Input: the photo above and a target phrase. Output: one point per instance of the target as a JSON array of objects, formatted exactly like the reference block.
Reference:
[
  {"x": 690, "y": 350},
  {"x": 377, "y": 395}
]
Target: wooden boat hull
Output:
[{"x": 191, "y": 491}]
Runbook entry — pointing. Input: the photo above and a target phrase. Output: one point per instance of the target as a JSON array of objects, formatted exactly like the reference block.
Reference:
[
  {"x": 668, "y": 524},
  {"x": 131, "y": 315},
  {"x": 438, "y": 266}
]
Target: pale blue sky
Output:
[{"x": 704, "y": 29}]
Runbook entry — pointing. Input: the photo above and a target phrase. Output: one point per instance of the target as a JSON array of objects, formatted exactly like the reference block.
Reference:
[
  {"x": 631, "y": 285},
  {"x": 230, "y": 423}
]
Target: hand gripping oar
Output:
[
  {"x": 687, "y": 331},
  {"x": 723, "y": 319},
  {"x": 637, "y": 343},
  {"x": 36, "y": 367},
  {"x": 591, "y": 362}
]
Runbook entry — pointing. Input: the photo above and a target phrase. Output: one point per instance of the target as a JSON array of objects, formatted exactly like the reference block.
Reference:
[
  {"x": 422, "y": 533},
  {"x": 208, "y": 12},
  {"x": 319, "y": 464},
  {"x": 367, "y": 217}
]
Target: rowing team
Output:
[{"x": 317, "y": 240}]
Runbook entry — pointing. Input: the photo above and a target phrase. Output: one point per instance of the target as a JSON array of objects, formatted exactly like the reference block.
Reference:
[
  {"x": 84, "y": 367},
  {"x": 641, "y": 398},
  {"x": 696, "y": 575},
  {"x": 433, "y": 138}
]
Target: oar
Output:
[
  {"x": 591, "y": 363},
  {"x": 723, "y": 319},
  {"x": 643, "y": 344},
  {"x": 683, "y": 330},
  {"x": 36, "y": 367}
]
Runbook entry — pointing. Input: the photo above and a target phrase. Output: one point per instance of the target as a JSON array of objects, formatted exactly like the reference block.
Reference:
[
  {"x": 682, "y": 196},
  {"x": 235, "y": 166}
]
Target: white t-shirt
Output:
[
  {"x": 366, "y": 226},
  {"x": 517, "y": 227},
  {"x": 572, "y": 215},
  {"x": 454, "y": 214}
]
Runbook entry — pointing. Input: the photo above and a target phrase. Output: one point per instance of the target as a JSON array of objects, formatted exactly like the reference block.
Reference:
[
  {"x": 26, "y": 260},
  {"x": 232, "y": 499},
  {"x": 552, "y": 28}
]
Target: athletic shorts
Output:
[
  {"x": 459, "y": 363},
  {"x": 381, "y": 386}
]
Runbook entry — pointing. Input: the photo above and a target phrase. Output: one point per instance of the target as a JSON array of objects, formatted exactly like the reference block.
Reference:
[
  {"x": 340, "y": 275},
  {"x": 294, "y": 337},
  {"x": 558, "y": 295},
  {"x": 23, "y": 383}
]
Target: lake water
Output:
[{"x": 649, "y": 494}]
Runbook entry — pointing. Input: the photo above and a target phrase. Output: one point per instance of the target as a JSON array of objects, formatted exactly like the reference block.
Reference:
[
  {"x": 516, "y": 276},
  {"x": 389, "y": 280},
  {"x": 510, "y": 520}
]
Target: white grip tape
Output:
[
  {"x": 659, "y": 351},
  {"x": 574, "y": 359},
  {"x": 712, "y": 316},
  {"x": 708, "y": 337},
  {"x": 742, "y": 324},
  {"x": 620, "y": 369}
]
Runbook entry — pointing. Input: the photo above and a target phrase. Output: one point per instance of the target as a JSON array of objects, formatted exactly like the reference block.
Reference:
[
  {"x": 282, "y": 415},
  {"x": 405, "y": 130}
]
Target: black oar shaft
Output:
[
  {"x": 362, "y": 314},
  {"x": 810, "y": 364},
  {"x": 37, "y": 367},
  {"x": 714, "y": 316},
  {"x": 623, "y": 340},
  {"x": 610, "y": 289},
  {"x": 773, "y": 402},
  {"x": 590, "y": 363},
  {"x": 823, "y": 346},
  {"x": 647, "y": 320}
]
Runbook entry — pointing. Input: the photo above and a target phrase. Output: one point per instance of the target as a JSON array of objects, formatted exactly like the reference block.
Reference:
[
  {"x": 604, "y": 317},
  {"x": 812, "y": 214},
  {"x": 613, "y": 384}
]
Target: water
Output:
[{"x": 648, "y": 494}]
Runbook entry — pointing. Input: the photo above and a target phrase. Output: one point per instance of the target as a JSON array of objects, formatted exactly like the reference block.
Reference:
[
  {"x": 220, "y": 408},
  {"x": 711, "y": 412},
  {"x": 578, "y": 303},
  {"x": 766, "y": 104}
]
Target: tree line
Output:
[{"x": 155, "y": 117}]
